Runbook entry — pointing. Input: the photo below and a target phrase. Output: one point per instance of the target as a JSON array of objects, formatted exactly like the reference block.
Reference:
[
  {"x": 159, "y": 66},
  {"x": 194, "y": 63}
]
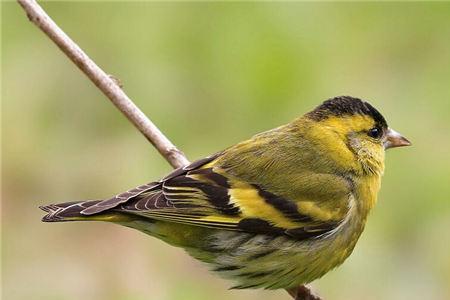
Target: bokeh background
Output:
[{"x": 210, "y": 75}]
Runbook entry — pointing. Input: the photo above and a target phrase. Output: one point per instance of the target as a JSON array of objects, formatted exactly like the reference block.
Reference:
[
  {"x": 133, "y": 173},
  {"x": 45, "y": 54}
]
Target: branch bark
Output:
[
  {"x": 110, "y": 87},
  {"x": 105, "y": 83}
]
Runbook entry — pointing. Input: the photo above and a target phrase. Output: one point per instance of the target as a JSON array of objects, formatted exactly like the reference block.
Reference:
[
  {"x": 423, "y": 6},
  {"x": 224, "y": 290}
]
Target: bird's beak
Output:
[{"x": 394, "y": 139}]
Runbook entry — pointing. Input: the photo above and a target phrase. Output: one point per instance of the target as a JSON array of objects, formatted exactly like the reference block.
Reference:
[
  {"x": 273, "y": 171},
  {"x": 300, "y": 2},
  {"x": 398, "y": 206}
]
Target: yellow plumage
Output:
[{"x": 252, "y": 205}]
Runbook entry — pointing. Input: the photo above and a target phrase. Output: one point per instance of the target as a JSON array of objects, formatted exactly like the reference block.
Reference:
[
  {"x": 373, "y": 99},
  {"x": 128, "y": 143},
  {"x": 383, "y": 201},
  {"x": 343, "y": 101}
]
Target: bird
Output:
[{"x": 276, "y": 211}]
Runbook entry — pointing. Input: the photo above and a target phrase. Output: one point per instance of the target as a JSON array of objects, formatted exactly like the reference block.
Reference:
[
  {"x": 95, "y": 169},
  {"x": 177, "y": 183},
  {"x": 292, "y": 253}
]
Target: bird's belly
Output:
[
  {"x": 272, "y": 262},
  {"x": 259, "y": 261}
]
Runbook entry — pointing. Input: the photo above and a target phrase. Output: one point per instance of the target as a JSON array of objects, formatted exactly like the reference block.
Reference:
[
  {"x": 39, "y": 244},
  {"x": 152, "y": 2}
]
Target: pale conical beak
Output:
[{"x": 394, "y": 139}]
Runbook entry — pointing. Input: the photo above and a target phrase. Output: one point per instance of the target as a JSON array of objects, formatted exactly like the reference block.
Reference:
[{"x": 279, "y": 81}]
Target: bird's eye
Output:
[{"x": 375, "y": 132}]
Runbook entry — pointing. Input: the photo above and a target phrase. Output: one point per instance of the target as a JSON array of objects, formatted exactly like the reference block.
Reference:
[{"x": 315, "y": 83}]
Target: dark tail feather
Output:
[{"x": 68, "y": 211}]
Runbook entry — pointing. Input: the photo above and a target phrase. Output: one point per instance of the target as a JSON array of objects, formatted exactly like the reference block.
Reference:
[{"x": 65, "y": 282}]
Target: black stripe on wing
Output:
[
  {"x": 213, "y": 188},
  {"x": 198, "y": 193},
  {"x": 211, "y": 176},
  {"x": 259, "y": 226},
  {"x": 287, "y": 207},
  {"x": 126, "y": 196}
]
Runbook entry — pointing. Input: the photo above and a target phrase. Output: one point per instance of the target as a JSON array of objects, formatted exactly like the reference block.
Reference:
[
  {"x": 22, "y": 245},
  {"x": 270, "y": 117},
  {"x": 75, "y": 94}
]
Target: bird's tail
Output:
[{"x": 71, "y": 211}]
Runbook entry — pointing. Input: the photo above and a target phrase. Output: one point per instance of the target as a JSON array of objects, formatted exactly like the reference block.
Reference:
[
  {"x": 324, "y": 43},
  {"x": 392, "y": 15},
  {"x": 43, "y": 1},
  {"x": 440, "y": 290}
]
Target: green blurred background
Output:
[{"x": 210, "y": 75}]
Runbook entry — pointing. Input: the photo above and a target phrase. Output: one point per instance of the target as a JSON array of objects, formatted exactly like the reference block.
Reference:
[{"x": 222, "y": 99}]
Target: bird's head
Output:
[{"x": 347, "y": 122}]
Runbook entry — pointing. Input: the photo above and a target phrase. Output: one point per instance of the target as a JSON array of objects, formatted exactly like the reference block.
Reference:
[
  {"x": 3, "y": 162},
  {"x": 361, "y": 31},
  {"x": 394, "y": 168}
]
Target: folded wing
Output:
[{"x": 203, "y": 194}]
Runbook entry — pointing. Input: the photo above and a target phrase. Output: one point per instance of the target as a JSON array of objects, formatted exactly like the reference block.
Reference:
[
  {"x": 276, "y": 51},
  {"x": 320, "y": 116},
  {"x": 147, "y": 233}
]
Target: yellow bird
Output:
[{"x": 276, "y": 211}]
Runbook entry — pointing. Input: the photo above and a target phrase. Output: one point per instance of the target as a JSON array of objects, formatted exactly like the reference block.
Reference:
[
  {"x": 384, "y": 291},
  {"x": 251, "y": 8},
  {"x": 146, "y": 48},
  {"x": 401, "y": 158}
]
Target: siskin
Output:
[{"x": 276, "y": 211}]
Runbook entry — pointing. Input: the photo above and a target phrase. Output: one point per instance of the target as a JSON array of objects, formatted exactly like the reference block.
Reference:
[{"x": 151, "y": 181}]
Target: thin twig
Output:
[
  {"x": 110, "y": 87},
  {"x": 106, "y": 84}
]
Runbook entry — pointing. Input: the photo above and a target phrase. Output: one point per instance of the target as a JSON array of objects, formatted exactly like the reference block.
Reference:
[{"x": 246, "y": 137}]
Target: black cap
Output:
[{"x": 347, "y": 106}]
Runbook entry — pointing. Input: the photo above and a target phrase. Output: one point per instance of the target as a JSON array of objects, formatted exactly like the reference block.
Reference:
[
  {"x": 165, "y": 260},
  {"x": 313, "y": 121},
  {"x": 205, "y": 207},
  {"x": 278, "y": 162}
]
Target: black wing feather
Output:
[{"x": 128, "y": 195}]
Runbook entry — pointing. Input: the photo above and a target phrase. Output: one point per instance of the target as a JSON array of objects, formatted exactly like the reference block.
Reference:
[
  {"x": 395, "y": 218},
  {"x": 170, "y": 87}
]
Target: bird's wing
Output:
[
  {"x": 146, "y": 188},
  {"x": 203, "y": 194}
]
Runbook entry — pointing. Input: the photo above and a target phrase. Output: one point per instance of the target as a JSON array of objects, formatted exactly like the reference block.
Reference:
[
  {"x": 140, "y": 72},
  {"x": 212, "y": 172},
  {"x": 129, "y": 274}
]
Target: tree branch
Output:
[
  {"x": 105, "y": 83},
  {"x": 111, "y": 88}
]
